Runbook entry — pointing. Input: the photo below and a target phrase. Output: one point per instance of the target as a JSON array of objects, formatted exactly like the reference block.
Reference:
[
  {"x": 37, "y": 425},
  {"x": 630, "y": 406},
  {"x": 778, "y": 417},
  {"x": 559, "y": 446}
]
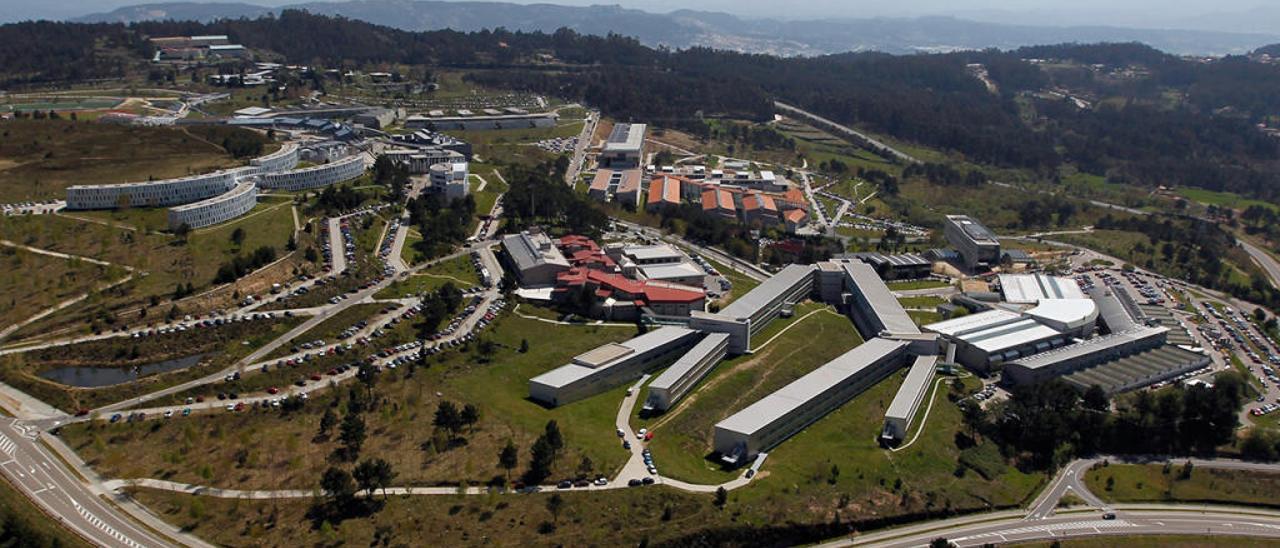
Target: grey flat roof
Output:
[
  {"x": 526, "y": 254},
  {"x": 1031, "y": 288},
  {"x": 601, "y": 355},
  {"x": 570, "y": 373},
  {"x": 974, "y": 230},
  {"x": 801, "y": 391},
  {"x": 756, "y": 299},
  {"x": 1111, "y": 310},
  {"x": 1085, "y": 348},
  {"x": 625, "y": 137},
  {"x": 917, "y": 381},
  {"x": 651, "y": 252},
  {"x": 883, "y": 304},
  {"x": 666, "y": 271},
  {"x": 688, "y": 361}
]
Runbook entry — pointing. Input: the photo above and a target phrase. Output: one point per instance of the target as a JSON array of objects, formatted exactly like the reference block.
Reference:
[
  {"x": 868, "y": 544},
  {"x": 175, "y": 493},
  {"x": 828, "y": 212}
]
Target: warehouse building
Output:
[
  {"x": 218, "y": 209},
  {"x": 975, "y": 243},
  {"x": 750, "y": 313},
  {"x": 766, "y": 423},
  {"x": 482, "y": 122},
  {"x": 986, "y": 340},
  {"x": 674, "y": 383},
  {"x": 624, "y": 148},
  {"x": 534, "y": 258},
  {"x": 1112, "y": 313},
  {"x": 163, "y": 193},
  {"x": 1033, "y": 288},
  {"x": 610, "y": 365},
  {"x": 1117, "y": 362},
  {"x": 315, "y": 176},
  {"x": 897, "y": 420}
]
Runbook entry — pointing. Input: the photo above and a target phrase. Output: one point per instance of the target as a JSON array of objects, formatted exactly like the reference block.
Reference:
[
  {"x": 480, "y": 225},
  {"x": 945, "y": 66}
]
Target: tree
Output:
[
  {"x": 524, "y": 346},
  {"x": 448, "y": 418},
  {"x": 182, "y": 232},
  {"x": 237, "y": 236},
  {"x": 292, "y": 244},
  {"x": 508, "y": 457},
  {"x": 368, "y": 376},
  {"x": 585, "y": 466},
  {"x": 327, "y": 422},
  {"x": 352, "y": 434},
  {"x": 554, "y": 439},
  {"x": 338, "y": 486},
  {"x": 722, "y": 497},
  {"x": 554, "y": 504},
  {"x": 373, "y": 474},
  {"x": 540, "y": 458},
  {"x": 470, "y": 415}
]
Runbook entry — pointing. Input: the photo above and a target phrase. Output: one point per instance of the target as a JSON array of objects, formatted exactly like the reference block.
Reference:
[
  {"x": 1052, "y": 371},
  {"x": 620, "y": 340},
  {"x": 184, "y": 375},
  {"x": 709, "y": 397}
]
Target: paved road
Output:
[
  {"x": 847, "y": 130},
  {"x": 33, "y": 469},
  {"x": 580, "y": 151},
  {"x": 337, "y": 249},
  {"x": 1264, "y": 260}
]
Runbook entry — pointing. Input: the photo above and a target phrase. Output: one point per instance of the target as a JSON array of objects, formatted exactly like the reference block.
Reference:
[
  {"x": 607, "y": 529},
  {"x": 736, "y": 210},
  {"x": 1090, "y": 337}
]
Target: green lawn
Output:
[
  {"x": 31, "y": 282},
  {"x": 457, "y": 270},
  {"x": 917, "y": 284},
  {"x": 926, "y": 302},
  {"x": 1152, "y": 483},
  {"x": 741, "y": 283}
]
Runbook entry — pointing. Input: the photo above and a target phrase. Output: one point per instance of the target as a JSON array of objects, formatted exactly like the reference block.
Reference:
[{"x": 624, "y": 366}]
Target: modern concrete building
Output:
[
  {"x": 621, "y": 185},
  {"x": 906, "y": 266},
  {"x": 482, "y": 122},
  {"x": 281, "y": 160},
  {"x": 624, "y": 148},
  {"x": 875, "y": 311},
  {"x": 976, "y": 243},
  {"x": 1101, "y": 361},
  {"x": 162, "y": 193},
  {"x": 218, "y": 209},
  {"x": 315, "y": 176},
  {"x": 778, "y": 416},
  {"x": 1033, "y": 288},
  {"x": 611, "y": 365},
  {"x": 750, "y": 313},
  {"x": 986, "y": 340},
  {"x": 420, "y": 160},
  {"x": 897, "y": 420},
  {"x": 674, "y": 383},
  {"x": 450, "y": 179},
  {"x": 534, "y": 258}
]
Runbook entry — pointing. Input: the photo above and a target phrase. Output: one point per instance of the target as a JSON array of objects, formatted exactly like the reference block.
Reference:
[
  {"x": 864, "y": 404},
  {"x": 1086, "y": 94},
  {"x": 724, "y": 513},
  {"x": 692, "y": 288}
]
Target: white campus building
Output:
[
  {"x": 162, "y": 193},
  {"x": 315, "y": 176},
  {"x": 449, "y": 179},
  {"x": 218, "y": 209}
]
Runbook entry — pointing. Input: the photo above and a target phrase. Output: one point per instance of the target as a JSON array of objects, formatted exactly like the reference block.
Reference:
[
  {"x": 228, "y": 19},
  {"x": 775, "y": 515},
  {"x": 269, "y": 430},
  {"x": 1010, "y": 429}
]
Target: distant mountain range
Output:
[{"x": 688, "y": 28}]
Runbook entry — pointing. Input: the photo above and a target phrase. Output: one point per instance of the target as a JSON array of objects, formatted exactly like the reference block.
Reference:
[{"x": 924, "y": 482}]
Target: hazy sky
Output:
[{"x": 1244, "y": 15}]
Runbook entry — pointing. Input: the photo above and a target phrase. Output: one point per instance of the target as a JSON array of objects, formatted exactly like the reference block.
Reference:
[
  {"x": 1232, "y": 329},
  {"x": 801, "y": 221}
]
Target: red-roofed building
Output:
[
  {"x": 664, "y": 191},
  {"x": 719, "y": 201},
  {"x": 793, "y": 198},
  {"x": 616, "y": 297},
  {"x": 759, "y": 208},
  {"x": 795, "y": 219}
]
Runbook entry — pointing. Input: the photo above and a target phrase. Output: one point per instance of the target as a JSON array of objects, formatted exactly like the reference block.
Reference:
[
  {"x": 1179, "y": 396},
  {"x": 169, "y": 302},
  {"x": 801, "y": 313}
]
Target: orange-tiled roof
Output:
[
  {"x": 630, "y": 181},
  {"x": 601, "y": 180},
  {"x": 795, "y": 215},
  {"x": 664, "y": 189}
]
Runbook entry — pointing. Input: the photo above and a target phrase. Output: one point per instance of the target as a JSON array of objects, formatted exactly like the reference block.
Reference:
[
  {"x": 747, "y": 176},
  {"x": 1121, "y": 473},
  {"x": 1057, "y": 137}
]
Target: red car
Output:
[{"x": 273, "y": 390}]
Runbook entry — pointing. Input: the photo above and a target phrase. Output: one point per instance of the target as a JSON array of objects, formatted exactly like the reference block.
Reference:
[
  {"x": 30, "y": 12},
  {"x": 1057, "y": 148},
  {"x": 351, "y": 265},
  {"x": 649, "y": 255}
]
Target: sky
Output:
[{"x": 1228, "y": 15}]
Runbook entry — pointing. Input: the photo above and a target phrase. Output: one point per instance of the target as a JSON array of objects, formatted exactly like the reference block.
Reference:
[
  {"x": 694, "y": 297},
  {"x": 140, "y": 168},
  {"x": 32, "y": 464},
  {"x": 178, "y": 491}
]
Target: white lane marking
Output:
[
  {"x": 103, "y": 526},
  {"x": 7, "y": 446}
]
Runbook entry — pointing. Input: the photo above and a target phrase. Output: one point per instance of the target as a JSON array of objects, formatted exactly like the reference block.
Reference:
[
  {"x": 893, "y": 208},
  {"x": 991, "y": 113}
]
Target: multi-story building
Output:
[
  {"x": 751, "y": 312},
  {"x": 682, "y": 376},
  {"x": 419, "y": 160},
  {"x": 610, "y": 365},
  {"x": 315, "y": 176},
  {"x": 450, "y": 179},
  {"x": 534, "y": 258},
  {"x": 976, "y": 243},
  {"x": 907, "y": 401},
  {"x": 624, "y": 148},
  {"x": 163, "y": 193},
  {"x": 281, "y": 160},
  {"x": 218, "y": 209}
]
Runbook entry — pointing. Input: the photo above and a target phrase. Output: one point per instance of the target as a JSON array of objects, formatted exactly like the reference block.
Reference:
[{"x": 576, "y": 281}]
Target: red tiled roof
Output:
[
  {"x": 795, "y": 215},
  {"x": 664, "y": 189}
]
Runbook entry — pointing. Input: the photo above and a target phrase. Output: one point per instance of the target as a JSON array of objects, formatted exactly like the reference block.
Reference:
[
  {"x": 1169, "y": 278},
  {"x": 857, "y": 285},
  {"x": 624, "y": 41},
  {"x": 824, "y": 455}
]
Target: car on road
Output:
[
  {"x": 633, "y": 482},
  {"x": 648, "y": 480},
  {"x": 602, "y": 481},
  {"x": 564, "y": 484},
  {"x": 1109, "y": 515}
]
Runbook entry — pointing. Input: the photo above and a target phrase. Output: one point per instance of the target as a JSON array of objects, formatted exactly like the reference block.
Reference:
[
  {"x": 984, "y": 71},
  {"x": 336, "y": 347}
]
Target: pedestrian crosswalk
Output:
[
  {"x": 102, "y": 525},
  {"x": 7, "y": 446}
]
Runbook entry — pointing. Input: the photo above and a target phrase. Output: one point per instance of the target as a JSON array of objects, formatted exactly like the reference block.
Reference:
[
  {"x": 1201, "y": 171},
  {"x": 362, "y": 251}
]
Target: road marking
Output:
[{"x": 7, "y": 446}]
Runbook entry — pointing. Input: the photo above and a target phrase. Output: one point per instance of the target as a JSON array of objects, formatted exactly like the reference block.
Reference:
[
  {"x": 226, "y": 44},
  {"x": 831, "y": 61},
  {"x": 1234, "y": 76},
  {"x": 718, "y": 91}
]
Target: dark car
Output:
[
  {"x": 633, "y": 482},
  {"x": 564, "y": 484},
  {"x": 648, "y": 480}
]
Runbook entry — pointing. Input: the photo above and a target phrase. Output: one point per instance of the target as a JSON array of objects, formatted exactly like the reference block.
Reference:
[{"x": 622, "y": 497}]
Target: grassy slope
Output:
[
  {"x": 284, "y": 454},
  {"x": 23, "y": 294},
  {"x": 40, "y": 158}
]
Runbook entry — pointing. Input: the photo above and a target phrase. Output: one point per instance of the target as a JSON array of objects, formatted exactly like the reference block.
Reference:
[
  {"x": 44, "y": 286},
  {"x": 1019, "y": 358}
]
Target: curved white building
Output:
[
  {"x": 284, "y": 159},
  {"x": 217, "y": 209},
  {"x": 317, "y": 176},
  {"x": 162, "y": 193}
]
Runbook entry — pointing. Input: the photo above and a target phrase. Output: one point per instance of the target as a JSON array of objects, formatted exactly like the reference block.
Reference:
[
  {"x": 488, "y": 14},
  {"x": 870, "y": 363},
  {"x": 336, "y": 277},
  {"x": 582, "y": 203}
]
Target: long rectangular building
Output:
[
  {"x": 985, "y": 340},
  {"x": 218, "y": 209},
  {"x": 610, "y": 365},
  {"x": 907, "y": 401},
  {"x": 315, "y": 176},
  {"x": 683, "y": 375},
  {"x": 875, "y": 310},
  {"x": 778, "y": 416},
  {"x": 1083, "y": 355},
  {"x": 162, "y": 193},
  {"x": 752, "y": 312}
]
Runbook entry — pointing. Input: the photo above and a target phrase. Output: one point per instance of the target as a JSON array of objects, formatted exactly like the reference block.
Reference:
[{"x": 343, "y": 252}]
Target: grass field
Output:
[
  {"x": 1222, "y": 199},
  {"x": 1152, "y": 483},
  {"x": 284, "y": 451},
  {"x": 457, "y": 270},
  {"x": 39, "y": 159},
  {"x": 917, "y": 284},
  {"x": 741, "y": 283},
  {"x": 23, "y": 293},
  {"x": 925, "y": 302},
  {"x": 166, "y": 261}
]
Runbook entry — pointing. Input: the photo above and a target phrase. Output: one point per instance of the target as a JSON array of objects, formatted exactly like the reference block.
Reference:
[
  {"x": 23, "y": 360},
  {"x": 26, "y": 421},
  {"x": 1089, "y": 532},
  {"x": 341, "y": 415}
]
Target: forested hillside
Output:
[{"x": 1148, "y": 118}]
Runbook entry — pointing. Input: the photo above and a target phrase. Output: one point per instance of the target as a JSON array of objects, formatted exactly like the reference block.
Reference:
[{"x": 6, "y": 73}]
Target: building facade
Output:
[
  {"x": 215, "y": 210},
  {"x": 163, "y": 193},
  {"x": 315, "y": 176}
]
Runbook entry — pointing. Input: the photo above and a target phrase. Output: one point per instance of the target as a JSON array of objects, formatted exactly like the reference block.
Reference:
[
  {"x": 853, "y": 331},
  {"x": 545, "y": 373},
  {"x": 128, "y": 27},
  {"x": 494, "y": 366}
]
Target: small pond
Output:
[{"x": 96, "y": 377}]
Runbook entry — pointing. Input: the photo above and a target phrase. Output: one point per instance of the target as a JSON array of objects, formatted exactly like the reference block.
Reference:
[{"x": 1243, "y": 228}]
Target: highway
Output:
[
  {"x": 1264, "y": 260},
  {"x": 32, "y": 467}
]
